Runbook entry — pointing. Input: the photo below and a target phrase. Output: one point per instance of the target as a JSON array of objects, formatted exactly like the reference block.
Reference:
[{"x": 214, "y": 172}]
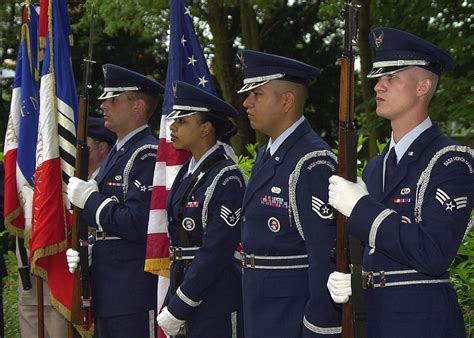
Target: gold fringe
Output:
[
  {"x": 158, "y": 266},
  {"x": 8, "y": 222}
]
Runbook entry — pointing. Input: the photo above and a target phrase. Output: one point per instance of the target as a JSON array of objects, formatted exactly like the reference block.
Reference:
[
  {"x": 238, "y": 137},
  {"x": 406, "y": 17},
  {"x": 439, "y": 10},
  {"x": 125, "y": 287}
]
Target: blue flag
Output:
[
  {"x": 186, "y": 60},
  {"x": 26, "y": 77}
]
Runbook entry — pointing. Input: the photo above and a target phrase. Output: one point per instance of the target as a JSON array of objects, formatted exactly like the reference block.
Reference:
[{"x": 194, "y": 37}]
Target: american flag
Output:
[{"x": 186, "y": 63}]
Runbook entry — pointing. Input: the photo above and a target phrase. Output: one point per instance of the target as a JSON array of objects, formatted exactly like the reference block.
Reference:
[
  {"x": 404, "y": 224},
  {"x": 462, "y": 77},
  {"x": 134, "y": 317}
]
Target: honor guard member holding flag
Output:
[
  {"x": 117, "y": 203},
  {"x": 204, "y": 209},
  {"x": 288, "y": 228},
  {"x": 413, "y": 213}
]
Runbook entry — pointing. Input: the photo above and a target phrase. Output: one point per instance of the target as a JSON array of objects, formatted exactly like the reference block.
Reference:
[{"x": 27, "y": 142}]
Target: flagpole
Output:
[{"x": 40, "y": 306}]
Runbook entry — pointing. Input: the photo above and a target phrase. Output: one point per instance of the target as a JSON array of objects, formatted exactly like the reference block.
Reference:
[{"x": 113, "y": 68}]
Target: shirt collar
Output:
[
  {"x": 402, "y": 146},
  {"x": 127, "y": 137},
  {"x": 193, "y": 165},
  {"x": 274, "y": 145}
]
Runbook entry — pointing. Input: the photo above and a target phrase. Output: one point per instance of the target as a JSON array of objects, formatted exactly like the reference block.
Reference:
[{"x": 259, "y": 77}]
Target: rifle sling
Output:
[{"x": 183, "y": 236}]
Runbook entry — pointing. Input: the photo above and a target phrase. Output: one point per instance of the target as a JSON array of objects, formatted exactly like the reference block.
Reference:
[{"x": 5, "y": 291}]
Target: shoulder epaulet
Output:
[
  {"x": 293, "y": 181},
  {"x": 210, "y": 190},
  {"x": 425, "y": 176},
  {"x": 129, "y": 165}
]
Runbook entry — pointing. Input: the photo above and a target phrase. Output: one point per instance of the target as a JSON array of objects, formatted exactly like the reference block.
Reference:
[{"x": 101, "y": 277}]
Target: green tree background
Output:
[{"x": 134, "y": 34}]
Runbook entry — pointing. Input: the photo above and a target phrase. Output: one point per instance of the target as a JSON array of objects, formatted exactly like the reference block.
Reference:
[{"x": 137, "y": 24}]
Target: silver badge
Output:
[
  {"x": 405, "y": 191},
  {"x": 188, "y": 224},
  {"x": 324, "y": 210},
  {"x": 274, "y": 224},
  {"x": 276, "y": 190},
  {"x": 118, "y": 178},
  {"x": 231, "y": 218},
  {"x": 378, "y": 39}
]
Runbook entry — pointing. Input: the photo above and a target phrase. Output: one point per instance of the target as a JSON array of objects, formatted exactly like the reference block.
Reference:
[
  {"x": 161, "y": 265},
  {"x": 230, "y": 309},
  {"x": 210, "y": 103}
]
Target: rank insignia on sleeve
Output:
[
  {"x": 324, "y": 210},
  {"x": 231, "y": 218},
  {"x": 448, "y": 203},
  {"x": 141, "y": 186},
  {"x": 188, "y": 224}
]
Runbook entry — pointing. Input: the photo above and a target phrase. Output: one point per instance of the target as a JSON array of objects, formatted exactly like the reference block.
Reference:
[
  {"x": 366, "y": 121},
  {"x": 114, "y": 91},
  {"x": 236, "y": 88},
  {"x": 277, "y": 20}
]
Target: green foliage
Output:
[
  {"x": 462, "y": 278},
  {"x": 247, "y": 162},
  {"x": 10, "y": 297}
]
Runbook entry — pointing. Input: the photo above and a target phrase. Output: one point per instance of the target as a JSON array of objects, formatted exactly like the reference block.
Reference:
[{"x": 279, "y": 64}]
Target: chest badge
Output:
[
  {"x": 274, "y": 224},
  {"x": 118, "y": 177},
  {"x": 188, "y": 224},
  {"x": 276, "y": 190},
  {"x": 405, "y": 191}
]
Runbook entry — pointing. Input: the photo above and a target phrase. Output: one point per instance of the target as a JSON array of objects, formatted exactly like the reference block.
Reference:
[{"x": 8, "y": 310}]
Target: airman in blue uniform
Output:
[
  {"x": 117, "y": 203},
  {"x": 413, "y": 212},
  {"x": 288, "y": 228},
  {"x": 204, "y": 208}
]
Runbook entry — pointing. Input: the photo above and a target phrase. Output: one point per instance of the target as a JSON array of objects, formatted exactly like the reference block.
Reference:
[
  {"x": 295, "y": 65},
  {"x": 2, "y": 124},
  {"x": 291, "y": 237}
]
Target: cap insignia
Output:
[
  {"x": 378, "y": 39},
  {"x": 174, "y": 90},
  {"x": 241, "y": 59}
]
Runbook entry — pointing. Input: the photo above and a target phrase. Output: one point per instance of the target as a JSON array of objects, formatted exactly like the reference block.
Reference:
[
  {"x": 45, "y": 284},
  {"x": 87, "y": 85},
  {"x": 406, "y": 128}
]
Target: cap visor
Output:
[
  {"x": 109, "y": 95},
  {"x": 382, "y": 71},
  {"x": 176, "y": 114}
]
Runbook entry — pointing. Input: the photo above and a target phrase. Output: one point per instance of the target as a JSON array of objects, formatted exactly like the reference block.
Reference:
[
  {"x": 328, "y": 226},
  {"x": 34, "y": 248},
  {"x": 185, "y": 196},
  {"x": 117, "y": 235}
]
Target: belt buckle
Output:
[
  {"x": 101, "y": 235},
  {"x": 175, "y": 253},
  {"x": 251, "y": 257},
  {"x": 383, "y": 280},
  {"x": 368, "y": 279}
]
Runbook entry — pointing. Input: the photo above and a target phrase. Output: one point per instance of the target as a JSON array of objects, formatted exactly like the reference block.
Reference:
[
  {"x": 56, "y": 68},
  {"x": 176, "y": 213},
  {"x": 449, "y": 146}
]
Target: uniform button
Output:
[
  {"x": 243, "y": 219},
  {"x": 371, "y": 252}
]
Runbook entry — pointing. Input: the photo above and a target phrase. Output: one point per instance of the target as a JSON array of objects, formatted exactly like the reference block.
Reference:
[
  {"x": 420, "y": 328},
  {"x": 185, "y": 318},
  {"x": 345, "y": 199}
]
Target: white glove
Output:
[
  {"x": 339, "y": 286},
  {"x": 344, "y": 195},
  {"x": 169, "y": 323},
  {"x": 78, "y": 191},
  {"x": 73, "y": 258}
]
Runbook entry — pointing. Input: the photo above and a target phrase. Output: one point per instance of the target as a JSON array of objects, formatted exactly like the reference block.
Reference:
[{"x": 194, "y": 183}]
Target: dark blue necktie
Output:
[
  {"x": 390, "y": 165},
  {"x": 266, "y": 155}
]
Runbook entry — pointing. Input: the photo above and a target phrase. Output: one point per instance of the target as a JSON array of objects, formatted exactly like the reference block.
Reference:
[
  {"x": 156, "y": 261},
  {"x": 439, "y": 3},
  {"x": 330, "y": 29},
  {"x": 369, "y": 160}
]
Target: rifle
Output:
[
  {"x": 348, "y": 248},
  {"x": 81, "y": 299}
]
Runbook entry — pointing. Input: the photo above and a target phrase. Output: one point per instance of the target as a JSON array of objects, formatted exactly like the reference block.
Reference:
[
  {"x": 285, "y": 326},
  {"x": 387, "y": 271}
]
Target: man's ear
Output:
[
  {"x": 289, "y": 99},
  {"x": 424, "y": 87}
]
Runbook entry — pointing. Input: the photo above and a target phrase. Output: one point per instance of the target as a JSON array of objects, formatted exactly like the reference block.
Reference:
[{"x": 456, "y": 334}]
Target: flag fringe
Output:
[{"x": 158, "y": 266}]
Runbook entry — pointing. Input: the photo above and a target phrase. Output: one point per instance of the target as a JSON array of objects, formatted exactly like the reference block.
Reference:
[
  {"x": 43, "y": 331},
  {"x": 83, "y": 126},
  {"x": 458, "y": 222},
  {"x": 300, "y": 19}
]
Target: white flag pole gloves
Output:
[
  {"x": 344, "y": 194},
  {"x": 78, "y": 191},
  {"x": 339, "y": 286},
  {"x": 73, "y": 258},
  {"x": 169, "y": 323}
]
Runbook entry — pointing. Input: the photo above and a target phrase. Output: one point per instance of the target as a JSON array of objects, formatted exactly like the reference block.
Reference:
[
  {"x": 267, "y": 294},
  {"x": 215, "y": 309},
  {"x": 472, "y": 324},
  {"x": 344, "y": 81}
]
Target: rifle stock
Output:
[
  {"x": 81, "y": 289},
  {"x": 81, "y": 298},
  {"x": 348, "y": 249}
]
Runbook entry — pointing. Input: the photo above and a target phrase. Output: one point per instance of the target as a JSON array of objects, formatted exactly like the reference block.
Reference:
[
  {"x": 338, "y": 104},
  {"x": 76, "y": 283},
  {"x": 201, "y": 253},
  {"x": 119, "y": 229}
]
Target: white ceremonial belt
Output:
[
  {"x": 383, "y": 279},
  {"x": 251, "y": 261},
  {"x": 178, "y": 253},
  {"x": 102, "y": 236}
]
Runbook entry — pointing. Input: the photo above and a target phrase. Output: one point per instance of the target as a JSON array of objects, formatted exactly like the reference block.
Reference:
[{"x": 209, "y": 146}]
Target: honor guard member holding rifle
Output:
[
  {"x": 288, "y": 228},
  {"x": 117, "y": 203},
  {"x": 204, "y": 206},
  {"x": 413, "y": 213}
]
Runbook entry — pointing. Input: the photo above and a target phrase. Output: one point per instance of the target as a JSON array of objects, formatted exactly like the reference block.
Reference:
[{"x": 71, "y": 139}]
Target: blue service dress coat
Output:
[
  {"x": 282, "y": 219},
  {"x": 412, "y": 232},
  {"x": 209, "y": 298},
  {"x": 119, "y": 283}
]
